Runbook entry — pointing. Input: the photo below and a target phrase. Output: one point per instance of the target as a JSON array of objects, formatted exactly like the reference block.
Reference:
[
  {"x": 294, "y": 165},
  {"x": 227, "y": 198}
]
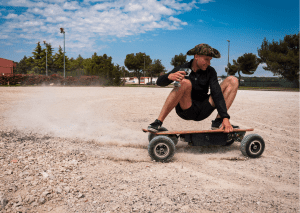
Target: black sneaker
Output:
[
  {"x": 154, "y": 127},
  {"x": 216, "y": 124}
]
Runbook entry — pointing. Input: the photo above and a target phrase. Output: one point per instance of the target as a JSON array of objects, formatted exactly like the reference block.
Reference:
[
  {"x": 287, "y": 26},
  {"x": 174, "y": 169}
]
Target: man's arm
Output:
[
  {"x": 217, "y": 95},
  {"x": 164, "y": 80}
]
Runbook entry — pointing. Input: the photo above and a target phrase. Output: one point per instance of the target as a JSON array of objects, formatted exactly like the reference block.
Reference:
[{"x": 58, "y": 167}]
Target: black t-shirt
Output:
[{"x": 201, "y": 81}]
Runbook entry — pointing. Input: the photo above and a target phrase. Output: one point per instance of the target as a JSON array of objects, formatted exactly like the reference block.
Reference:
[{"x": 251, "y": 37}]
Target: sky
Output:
[{"x": 159, "y": 28}]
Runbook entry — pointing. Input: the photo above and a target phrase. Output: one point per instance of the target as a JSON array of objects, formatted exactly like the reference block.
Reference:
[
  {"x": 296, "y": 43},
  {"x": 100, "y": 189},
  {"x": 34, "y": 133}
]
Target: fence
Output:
[
  {"x": 274, "y": 83},
  {"x": 54, "y": 79},
  {"x": 73, "y": 73}
]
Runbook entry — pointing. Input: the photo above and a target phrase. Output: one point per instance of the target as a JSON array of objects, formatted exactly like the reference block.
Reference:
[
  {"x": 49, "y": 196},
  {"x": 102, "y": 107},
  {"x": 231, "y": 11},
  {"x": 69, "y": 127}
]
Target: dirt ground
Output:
[{"x": 82, "y": 149}]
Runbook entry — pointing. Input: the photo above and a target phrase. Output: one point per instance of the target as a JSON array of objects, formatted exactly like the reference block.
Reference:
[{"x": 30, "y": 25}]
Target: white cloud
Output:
[
  {"x": 4, "y": 36},
  {"x": 73, "y": 5},
  {"x": 11, "y": 16},
  {"x": 26, "y": 3},
  {"x": 178, "y": 5},
  {"x": 206, "y": 1},
  {"x": 91, "y": 20},
  {"x": 224, "y": 23},
  {"x": 262, "y": 65},
  {"x": 174, "y": 19},
  {"x": 132, "y": 7}
]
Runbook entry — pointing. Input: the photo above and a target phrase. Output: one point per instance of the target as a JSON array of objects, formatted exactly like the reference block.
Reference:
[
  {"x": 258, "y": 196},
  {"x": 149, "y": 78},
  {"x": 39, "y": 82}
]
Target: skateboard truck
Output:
[{"x": 187, "y": 71}]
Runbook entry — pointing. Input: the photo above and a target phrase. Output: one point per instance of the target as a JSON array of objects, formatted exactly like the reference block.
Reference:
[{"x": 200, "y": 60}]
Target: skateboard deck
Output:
[{"x": 195, "y": 131}]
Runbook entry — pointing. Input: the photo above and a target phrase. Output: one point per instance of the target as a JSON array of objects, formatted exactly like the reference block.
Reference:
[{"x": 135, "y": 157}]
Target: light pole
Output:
[
  {"x": 228, "y": 58},
  {"x": 63, "y": 31},
  {"x": 144, "y": 69},
  {"x": 46, "y": 58}
]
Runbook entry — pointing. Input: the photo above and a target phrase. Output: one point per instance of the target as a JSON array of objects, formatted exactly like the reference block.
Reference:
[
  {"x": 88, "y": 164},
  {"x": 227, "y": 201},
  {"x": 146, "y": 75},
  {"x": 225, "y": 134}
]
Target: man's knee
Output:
[
  {"x": 186, "y": 84},
  {"x": 233, "y": 80}
]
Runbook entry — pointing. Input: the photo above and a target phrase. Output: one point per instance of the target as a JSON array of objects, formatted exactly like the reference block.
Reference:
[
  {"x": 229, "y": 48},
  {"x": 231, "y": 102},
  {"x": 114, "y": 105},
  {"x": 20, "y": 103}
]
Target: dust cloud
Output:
[{"x": 84, "y": 113}]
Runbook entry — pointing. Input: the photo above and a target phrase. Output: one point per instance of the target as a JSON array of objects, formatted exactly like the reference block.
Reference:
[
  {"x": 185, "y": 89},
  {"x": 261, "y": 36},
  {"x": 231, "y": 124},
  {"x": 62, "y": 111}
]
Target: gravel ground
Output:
[{"x": 81, "y": 149}]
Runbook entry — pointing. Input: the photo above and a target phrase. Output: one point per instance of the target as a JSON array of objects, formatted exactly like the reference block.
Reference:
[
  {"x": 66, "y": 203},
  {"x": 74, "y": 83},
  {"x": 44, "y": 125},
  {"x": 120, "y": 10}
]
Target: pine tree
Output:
[
  {"x": 58, "y": 60},
  {"x": 282, "y": 58},
  {"x": 247, "y": 64},
  {"x": 49, "y": 54},
  {"x": 22, "y": 66},
  {"x": 38, "y": 63},
  {"x": 137, "y": 63},
  {"x": 178, "y": 60},
  {"x": 101, "y": 66}
]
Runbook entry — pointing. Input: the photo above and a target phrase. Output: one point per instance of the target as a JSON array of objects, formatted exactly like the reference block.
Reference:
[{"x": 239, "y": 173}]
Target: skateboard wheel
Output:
[
  {"x": 252, "y": 146},
  {"x": 173, "y": 137},
  {"x": 161, "y": 148}
]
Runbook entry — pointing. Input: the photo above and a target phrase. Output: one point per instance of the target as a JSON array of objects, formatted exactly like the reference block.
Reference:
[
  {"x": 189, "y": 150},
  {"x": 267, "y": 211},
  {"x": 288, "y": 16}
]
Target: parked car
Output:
[{"x": 151, "y": 83}]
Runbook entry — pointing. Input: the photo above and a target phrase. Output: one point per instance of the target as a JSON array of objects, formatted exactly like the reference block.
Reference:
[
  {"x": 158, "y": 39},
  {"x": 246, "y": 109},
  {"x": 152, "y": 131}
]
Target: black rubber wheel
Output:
[
  {"x": 161, "y": 148},
  {"x": 230, "y": 140},
  {"x": 161, "y": 129},
  {"x": 253, "y": 146}
]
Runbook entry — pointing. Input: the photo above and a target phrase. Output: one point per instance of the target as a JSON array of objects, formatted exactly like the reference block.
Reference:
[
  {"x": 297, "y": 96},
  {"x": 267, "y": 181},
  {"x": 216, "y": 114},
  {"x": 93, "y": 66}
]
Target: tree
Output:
[
  {"x": 77, "y": 65},
  {"x": 117, "y": 72},
  {"x": 282, "y": 58},
  {"x": 79, "y": 62},
  {"x": 232, "y": 69},
  {"x": 99, "y": 65},
  {"x": 38, "y": 64},
  {"x": 247, "y": 64},
  {"x": 22, "y": 66},
  {"x": 58, "y": 60},
  {"x": 156, "y": 68},
  {"x": 30, "y": 64},
  {"x": 178, "y": 60},
  {"x": 103, "y": 67},
  {"x": 136, "y": 63},
  {"x": 49, "y": 54}
]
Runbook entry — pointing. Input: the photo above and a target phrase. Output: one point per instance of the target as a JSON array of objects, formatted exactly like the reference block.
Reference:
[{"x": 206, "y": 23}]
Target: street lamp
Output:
[
  {"x": 144, "y": 69},
  {"x": 63, "y": 31},
  {"x": 46, "y": 58},
  {"x": 228, "y": 58}
]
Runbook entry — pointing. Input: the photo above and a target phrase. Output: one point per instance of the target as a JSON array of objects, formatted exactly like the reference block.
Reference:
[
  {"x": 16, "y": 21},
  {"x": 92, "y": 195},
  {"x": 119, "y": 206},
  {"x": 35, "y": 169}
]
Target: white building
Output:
[{"x": 135, "y": 80}]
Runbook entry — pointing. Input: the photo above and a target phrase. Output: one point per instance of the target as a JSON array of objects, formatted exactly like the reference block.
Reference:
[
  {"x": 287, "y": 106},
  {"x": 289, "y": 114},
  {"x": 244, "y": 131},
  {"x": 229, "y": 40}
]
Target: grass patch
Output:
[
  {"x": 269, "y": 88},
  {"x": 17, "y": 85},
  {"x": 139, "y": 85}
]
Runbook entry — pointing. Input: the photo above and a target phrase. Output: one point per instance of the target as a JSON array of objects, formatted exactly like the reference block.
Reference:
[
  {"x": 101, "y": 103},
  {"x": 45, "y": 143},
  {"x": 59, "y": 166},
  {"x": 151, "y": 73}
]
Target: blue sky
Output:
[{"x": 161, "y": 29}]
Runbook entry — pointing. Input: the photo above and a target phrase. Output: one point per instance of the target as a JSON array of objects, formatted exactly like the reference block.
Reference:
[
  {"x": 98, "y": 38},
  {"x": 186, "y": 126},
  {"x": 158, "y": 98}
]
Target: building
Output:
[
  {"x": 7, "y": 66},
  {"x": 135, "y": 80}
]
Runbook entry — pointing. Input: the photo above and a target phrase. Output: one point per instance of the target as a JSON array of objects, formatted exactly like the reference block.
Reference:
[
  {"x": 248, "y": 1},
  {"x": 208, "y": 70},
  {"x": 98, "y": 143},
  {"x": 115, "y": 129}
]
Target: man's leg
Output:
[
  {"x": 181, "y": 95},
  {"x": 229, "y": 89}
]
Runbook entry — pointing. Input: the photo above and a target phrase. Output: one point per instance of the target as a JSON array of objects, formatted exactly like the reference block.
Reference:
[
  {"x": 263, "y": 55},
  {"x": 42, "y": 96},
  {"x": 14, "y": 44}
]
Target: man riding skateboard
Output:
[{"x": 191, "y": 100}]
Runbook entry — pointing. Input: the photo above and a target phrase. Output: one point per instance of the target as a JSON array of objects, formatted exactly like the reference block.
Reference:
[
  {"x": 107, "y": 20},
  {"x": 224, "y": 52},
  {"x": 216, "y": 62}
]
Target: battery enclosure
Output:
[{"x": 205, "y": 139}]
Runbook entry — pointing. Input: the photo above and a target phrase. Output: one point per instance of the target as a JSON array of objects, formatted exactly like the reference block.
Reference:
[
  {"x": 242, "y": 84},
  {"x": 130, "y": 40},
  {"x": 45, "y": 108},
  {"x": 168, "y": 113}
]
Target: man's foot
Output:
[
  {"x": 154, "y": 127},
  {"x": 216, "y": 124}
]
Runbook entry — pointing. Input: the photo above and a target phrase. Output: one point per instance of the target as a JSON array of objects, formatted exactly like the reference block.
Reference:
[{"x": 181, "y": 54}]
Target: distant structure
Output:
[
  {"x": 7, "y": 66},
  {"x": 135, "y": 80}
]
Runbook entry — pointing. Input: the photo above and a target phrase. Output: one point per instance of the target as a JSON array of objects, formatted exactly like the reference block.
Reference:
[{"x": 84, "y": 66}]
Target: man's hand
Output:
[
  {"x": 226, "y": 126},
  {"x": 177, "y": 76}
]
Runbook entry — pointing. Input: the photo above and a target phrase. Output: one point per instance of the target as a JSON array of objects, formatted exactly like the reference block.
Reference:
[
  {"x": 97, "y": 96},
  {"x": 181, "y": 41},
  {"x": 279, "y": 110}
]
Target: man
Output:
[{"x": 191, "y": 99}]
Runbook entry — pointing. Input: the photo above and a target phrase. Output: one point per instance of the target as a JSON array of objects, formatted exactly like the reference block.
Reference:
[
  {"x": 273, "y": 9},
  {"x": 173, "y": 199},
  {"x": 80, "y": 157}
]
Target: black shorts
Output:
[{"x": 197, "y": 112}]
